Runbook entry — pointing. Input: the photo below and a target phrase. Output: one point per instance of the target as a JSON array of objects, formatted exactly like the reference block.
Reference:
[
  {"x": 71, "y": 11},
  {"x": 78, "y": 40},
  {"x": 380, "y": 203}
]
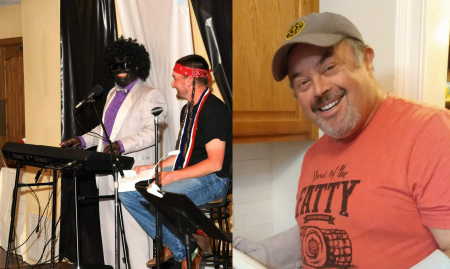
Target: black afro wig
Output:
[{"x": 135, "y": 53}]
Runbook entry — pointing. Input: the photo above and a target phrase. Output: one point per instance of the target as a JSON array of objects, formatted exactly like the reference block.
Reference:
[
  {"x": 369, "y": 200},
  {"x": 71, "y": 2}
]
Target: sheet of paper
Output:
[
  {"x": 436, "y": 260},
  {"x": 155, "y": 190},
  {"x": 131, "y": 178}
]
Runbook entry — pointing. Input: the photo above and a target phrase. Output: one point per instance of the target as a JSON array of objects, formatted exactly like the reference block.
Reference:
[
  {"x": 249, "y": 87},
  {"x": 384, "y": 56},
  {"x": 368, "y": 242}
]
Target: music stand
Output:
[{"x": 184, "y": 215}]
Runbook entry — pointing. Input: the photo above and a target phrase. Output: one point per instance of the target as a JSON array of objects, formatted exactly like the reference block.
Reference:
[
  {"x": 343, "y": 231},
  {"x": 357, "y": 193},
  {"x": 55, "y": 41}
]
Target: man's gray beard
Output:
[{"x": 349, "y": 123}]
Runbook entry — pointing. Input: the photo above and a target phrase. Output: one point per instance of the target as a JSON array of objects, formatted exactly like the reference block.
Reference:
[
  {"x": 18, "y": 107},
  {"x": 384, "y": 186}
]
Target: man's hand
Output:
[
  {"x": 74, "y": 142},
  {"x": 141, "y": 168},
  {"x": 115, "y": 147},
  {"x": 165, "y": 178}
]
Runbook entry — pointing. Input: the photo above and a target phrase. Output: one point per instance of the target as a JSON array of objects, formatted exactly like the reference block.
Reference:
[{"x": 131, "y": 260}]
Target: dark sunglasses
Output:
[{"x": 123, "y": 65}]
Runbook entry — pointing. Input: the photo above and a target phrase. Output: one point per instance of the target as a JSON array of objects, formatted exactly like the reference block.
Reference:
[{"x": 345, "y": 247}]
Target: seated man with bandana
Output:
[{"x": 201, "y": 169}]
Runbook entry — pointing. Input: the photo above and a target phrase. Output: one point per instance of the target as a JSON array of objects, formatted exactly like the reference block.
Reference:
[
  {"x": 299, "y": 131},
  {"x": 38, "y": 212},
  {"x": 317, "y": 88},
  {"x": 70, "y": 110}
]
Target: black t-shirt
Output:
[{"x": 214, "y": 121}]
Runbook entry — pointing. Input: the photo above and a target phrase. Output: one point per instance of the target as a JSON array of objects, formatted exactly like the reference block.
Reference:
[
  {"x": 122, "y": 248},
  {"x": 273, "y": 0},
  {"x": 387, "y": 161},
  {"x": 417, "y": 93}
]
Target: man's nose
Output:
[{"x": 320, "y": 86}]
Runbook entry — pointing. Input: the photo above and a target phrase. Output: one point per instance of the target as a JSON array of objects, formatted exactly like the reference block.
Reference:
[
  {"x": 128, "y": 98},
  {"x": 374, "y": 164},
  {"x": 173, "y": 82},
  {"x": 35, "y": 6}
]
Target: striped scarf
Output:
[{"x": 182, "y": 160}]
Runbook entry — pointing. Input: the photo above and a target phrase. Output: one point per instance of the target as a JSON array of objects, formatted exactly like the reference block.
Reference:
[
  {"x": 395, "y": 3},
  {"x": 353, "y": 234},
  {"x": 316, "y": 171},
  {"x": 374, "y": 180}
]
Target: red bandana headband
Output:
[{"x": 191, "y": 72}]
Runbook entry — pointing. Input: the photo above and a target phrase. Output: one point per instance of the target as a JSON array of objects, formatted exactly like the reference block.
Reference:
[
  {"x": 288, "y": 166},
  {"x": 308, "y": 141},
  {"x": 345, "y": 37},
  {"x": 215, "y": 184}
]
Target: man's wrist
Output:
[
  {"x": 83, "y": 143},
  {"x": 175, "y": 175}
]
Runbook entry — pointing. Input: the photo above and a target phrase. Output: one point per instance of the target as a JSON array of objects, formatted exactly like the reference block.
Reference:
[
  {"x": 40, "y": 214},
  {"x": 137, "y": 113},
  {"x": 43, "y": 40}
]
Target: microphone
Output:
[
  {"x": 156, "y": 111},
  {"x": 96, "y": 91}
]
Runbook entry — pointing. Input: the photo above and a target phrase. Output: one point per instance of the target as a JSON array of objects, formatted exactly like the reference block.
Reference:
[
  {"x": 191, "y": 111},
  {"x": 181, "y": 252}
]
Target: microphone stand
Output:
[
  {"x": 117, "y": 166},
  {"x": 156, "y": 111}
]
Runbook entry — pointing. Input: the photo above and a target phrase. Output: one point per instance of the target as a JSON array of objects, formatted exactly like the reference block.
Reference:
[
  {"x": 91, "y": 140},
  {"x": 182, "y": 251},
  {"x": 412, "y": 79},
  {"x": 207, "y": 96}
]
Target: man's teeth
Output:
[
  {"x": 330, "y": 105},
  {"x": 121, "y": 75}
]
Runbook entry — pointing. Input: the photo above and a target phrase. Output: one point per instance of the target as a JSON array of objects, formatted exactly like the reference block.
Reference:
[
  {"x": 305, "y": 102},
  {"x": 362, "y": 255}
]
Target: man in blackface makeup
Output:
[{"x": 128, "y": 120}]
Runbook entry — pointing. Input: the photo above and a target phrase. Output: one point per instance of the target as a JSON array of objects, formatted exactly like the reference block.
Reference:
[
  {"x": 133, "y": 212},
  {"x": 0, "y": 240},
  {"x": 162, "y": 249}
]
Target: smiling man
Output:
[
  {"x": 128, "y": 121},
  {"x": 374, "y": 191}
]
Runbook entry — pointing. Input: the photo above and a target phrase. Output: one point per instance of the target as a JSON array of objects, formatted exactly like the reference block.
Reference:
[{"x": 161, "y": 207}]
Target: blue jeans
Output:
[{"x": 200, "y": 190}]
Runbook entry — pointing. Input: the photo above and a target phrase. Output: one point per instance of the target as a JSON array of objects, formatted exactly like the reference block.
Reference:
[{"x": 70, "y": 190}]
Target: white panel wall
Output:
[
  {"x": 265, "y": 178},
  {"x": 252, "y": 191},
  {"x": 287, "y": 163}
]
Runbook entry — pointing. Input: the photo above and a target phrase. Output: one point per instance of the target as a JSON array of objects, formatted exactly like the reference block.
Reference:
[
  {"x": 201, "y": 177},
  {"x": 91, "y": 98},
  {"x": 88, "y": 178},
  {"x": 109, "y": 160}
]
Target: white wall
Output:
[
  {"x": 252, "y": 191},
  {"x": 287, "y": 159},
  {"x": 265, "y": 178}
]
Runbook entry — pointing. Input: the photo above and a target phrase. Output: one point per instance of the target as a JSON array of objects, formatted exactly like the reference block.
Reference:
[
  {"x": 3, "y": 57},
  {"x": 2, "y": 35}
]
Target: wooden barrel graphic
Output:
[{"x": 325, "y": 247}]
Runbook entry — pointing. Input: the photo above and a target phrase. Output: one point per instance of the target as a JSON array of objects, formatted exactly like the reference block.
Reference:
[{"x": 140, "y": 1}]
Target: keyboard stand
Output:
[{"x": 18, "y": 185}]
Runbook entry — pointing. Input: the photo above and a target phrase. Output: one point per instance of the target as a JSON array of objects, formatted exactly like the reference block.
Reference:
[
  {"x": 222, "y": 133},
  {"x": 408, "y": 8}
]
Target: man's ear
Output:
[
  {"x": 190, "y": 80},
  {"x": 369, "y": 54}
]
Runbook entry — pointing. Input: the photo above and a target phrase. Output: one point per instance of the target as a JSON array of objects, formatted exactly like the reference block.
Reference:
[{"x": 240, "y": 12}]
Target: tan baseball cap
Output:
[{"x": 318, "y": 29}]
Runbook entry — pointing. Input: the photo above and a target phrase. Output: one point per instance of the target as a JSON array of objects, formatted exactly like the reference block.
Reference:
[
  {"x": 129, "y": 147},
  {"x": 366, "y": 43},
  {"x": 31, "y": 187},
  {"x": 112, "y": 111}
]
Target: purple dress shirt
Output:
[{"x": 111, "y": 113}]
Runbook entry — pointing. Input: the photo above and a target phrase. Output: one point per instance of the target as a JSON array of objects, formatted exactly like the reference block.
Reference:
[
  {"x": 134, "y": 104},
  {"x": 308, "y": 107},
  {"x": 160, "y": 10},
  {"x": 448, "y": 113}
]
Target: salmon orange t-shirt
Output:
[{"x": 368, "y": 203}]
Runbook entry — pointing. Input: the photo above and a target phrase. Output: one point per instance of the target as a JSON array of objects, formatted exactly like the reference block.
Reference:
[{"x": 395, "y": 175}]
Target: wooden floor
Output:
[{"x": 13, "y": 263}]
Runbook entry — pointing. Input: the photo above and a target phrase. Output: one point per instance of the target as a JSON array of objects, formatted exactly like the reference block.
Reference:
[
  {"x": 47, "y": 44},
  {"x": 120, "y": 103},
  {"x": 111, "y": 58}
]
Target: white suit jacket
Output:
[
  {"x": 134, "y": 127},
  {"x": 134, "y": 123}
]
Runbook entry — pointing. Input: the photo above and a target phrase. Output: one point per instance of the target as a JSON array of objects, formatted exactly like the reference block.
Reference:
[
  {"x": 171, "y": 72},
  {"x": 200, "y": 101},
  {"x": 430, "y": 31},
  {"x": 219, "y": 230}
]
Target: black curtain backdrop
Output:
[
  {"x": 214, "y": 18},
  {"x": 87, "y": 26}
]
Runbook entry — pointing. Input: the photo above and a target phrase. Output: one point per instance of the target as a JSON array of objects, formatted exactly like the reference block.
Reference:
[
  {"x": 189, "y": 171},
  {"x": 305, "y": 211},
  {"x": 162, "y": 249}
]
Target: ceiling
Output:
[{"x": 5, "y": 3}]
